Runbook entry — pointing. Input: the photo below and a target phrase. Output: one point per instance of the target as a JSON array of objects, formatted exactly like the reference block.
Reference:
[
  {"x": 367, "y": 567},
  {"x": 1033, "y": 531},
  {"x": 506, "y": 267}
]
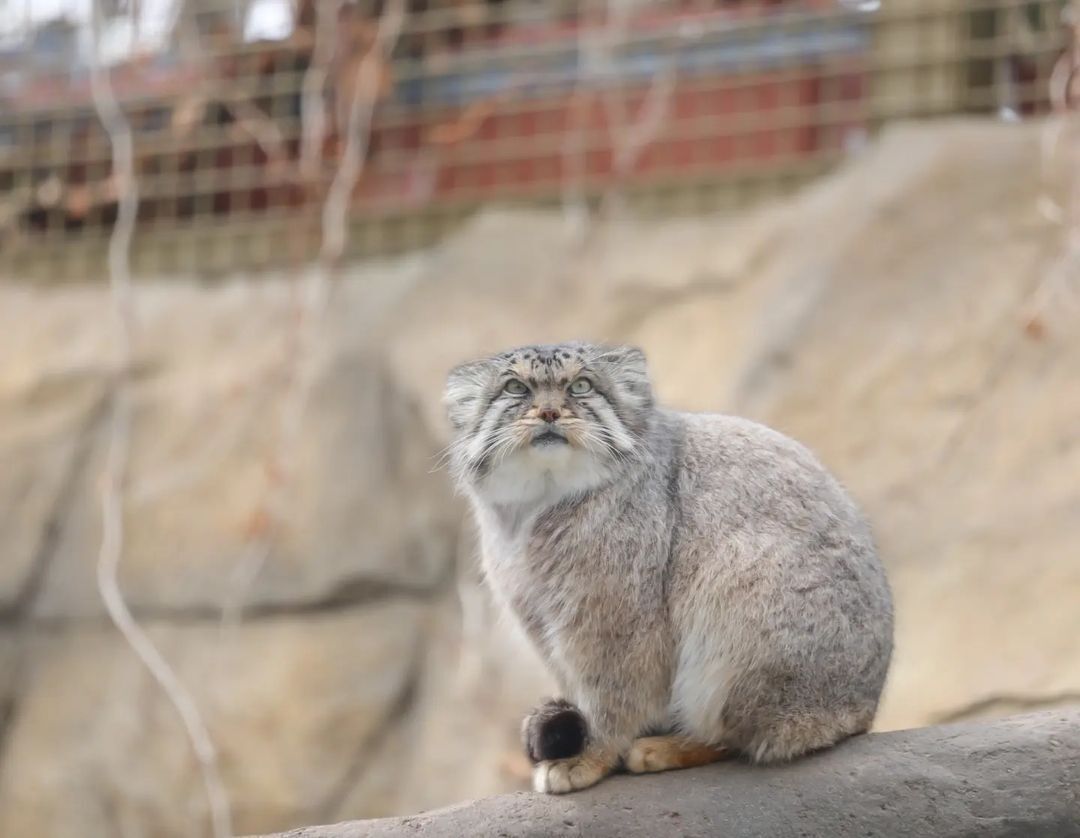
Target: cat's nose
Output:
[{"x": 549, "y": 414}]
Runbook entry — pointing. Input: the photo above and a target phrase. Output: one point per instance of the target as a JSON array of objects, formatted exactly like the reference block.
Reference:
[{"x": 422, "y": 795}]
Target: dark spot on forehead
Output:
[{"x": 546, "y": 355}]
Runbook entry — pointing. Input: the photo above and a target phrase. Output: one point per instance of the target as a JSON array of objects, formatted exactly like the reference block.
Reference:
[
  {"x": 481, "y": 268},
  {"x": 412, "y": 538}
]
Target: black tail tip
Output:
[{"x": 554, "y": 730}]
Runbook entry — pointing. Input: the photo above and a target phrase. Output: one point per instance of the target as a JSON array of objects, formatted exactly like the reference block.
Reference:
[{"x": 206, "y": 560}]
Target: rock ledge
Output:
[{"x": 1018, "y": 777}]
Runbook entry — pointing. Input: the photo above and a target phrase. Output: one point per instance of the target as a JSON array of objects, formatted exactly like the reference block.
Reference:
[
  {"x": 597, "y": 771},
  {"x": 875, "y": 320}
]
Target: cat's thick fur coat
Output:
[{"x": 697, "y": 584}]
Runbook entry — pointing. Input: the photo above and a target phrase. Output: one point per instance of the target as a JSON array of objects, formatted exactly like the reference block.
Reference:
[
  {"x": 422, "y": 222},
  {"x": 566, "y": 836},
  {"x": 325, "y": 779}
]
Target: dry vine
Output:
[
  {"x": 315, "y": 293},
  {"x": 119, "y": 442},
  {"x": 1058, "y": 287}
]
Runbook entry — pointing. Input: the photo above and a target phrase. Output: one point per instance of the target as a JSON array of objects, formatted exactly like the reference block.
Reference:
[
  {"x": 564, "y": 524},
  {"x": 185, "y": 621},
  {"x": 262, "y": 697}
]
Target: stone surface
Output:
[
  {"x": 46, "y": 437},
  {"x": 1018, "y": 776},
  {"x": 215, "y": 463},
  {"x": 297, "y": 707},
  {"x": 289, "y": 478}
]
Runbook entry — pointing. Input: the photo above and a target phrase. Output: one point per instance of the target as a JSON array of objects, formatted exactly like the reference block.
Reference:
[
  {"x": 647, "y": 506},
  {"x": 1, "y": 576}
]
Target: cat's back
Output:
[{"x": 743, "y": 479}]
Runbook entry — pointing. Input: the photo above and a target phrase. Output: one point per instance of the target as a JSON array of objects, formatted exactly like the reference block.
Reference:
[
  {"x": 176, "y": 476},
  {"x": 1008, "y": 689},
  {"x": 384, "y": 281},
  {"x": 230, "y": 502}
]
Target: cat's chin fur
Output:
[{"x": 538, "y": 476}]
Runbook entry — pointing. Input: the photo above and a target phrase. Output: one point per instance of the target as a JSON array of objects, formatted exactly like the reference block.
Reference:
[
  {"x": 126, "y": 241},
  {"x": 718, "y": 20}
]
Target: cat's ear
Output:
[
  {"x": 628, "y": 358},
  {"x": 465, "y": 385},
  {"x": 628, "y": 371}
]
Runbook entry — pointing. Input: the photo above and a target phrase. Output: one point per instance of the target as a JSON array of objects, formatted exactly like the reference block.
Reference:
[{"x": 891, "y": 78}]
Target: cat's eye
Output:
[
  {"x": 581, "y": 386},
  {"x": 515, "y": 387}
]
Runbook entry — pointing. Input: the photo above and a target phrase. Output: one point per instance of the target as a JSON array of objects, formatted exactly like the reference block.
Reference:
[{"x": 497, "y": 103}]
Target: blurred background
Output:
[{"x": 241, "y": 242}]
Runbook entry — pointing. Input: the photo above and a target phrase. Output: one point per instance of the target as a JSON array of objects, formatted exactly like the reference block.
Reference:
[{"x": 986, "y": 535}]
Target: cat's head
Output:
[{"x": 564, "y": 417}]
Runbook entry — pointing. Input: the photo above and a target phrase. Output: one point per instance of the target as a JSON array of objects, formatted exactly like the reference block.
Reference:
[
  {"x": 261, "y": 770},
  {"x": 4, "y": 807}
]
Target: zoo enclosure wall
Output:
[{"x": 673, "y": 107}]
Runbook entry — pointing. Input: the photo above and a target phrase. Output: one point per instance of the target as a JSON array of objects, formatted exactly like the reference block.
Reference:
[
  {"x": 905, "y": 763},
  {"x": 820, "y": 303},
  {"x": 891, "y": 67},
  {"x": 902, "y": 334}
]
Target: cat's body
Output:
[{"x": 697, "y": 584}]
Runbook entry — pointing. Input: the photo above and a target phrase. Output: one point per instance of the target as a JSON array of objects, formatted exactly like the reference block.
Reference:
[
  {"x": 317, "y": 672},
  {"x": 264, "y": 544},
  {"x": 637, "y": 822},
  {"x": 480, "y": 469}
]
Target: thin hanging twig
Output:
[
  {"x": 116, "y": 467},
  {"x": 629, "y": 136},
  {"x": 312, "y": 102},
  {"x": 358, "y": 131},
  {"x": 316, "y": 291},
  {"x": 1057, "y": 288}
]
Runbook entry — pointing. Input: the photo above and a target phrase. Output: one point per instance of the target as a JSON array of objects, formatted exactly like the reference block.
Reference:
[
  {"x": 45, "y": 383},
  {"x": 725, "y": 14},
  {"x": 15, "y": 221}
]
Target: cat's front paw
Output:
[{"x": 560, "y": 776}]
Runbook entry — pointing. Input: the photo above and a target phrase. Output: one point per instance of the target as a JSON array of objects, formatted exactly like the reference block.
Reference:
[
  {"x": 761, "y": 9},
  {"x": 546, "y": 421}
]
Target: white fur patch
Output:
[
  {"x": 702, "y": 681},
  {"x": 541, "y": 475},
  {"x": 566, "y": 775}
]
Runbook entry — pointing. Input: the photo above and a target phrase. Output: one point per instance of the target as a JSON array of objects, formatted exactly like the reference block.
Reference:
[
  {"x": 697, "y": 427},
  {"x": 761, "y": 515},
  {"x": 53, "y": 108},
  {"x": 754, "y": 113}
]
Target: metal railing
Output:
[{"x": 671, "y": 106}]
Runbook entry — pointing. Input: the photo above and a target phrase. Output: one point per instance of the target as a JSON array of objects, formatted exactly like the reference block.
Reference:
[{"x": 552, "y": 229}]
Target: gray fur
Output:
[{"x": 701, "y": 575}]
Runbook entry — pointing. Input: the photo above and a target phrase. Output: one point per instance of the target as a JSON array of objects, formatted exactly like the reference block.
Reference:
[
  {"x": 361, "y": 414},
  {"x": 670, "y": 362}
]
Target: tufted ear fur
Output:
[
  {"x": 628, "y": 371},
  {"x": 623, "y": 354},
  {"x": 462, "y": 398}
]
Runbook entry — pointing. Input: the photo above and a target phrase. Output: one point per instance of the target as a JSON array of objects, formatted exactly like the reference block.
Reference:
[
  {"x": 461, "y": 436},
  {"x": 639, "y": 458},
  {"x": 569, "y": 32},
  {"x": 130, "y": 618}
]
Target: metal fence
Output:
[{"x": 436, "y": 108}]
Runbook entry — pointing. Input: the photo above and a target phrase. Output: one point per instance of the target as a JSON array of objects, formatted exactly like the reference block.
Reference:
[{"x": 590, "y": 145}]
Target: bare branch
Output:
[
  {"x": 358, "y": 129},
  {"x": 315, "y": 292},
  {"x": 312, "y": 104},
  {"x": 572, "y": 149},
  {"x": 630, "y": 137},
  {"x": 116, "y": 467},
  {"x": 1059, "y": 287}
]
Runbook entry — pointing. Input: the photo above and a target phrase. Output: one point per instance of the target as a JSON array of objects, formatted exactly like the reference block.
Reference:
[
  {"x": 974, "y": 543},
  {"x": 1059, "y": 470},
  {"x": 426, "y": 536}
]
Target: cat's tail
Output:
[{"x": 556, "y": 729}]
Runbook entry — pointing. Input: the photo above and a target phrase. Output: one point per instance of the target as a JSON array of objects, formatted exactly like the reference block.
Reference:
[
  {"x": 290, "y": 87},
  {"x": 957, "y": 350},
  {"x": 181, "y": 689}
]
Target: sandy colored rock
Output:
[
  {"x": 296, "y": 707},
  {"x": 9, "y": 676},
  {"x": 236, "y": 432},
  {"x": 46, "y": 438},
  {"x": 480, "y": 680}
]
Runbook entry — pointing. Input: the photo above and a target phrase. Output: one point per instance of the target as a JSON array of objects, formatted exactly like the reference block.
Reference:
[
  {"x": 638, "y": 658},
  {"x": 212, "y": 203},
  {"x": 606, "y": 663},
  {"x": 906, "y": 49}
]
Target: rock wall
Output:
[{"x": 316, "y": 591}]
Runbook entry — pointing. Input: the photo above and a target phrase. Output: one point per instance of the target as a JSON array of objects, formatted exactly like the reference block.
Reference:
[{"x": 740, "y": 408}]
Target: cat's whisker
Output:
[
  {"x": 442, "y": 458},
  {"x": 502, "y": 438}
]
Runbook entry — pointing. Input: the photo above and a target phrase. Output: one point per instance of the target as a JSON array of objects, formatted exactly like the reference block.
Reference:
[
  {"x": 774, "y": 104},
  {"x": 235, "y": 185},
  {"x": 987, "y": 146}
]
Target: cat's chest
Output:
[
  {"x": 542, "y": 568},
  {"x": 533, "y": 561}
]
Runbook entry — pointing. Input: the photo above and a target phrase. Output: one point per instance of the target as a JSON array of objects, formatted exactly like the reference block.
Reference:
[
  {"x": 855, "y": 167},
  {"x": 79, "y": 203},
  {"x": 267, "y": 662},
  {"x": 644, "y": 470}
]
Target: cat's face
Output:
[{"x": 546, "y": 418}]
